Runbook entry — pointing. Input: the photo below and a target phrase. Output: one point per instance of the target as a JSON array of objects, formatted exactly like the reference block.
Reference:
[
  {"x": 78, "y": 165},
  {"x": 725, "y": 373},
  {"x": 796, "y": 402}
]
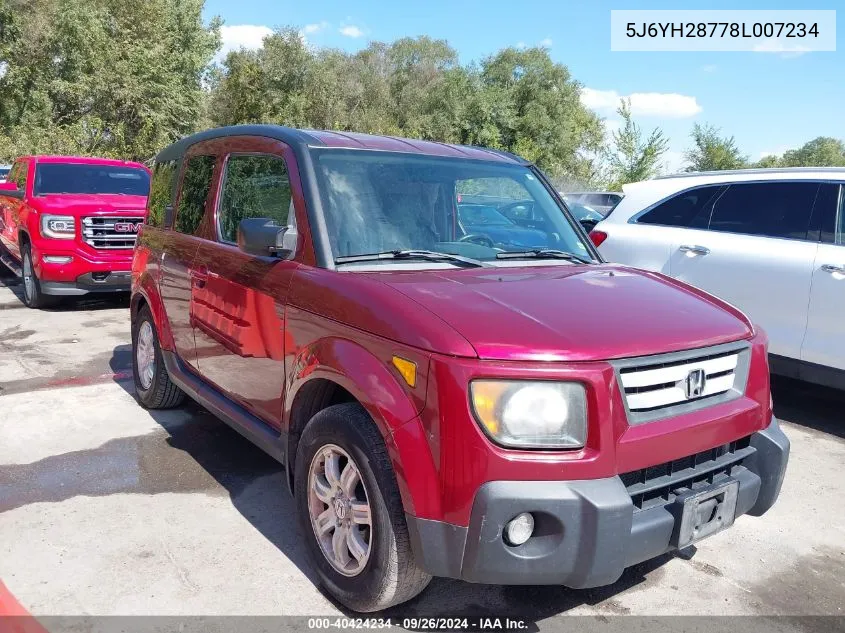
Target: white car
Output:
[{"x": 769, "y": 241}]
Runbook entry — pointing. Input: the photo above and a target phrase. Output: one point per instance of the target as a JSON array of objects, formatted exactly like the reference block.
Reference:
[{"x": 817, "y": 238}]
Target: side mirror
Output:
[
  {"x": 10, "y": 189},
  {"x": 263, "y": 236}
]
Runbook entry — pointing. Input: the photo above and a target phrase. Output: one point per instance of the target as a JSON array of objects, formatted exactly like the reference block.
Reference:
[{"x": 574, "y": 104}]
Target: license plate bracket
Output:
[{"x": 702, "y": 513}]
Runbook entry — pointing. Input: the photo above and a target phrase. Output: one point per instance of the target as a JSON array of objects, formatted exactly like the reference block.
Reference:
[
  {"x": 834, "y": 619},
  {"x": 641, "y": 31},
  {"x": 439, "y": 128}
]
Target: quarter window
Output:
[
  {"x": 196, "y": 183},
  {"x": 255, "y": 187},
  {"x": 840, "y": 217},
  {"x": 161, "y": 191},
  {"x": 771, "y": 209},
  {"x": 686, "y": 209}
]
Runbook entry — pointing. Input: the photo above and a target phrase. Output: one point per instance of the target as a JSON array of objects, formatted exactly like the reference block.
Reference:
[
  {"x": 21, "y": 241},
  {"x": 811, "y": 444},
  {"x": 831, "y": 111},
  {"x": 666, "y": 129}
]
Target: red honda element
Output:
[
  {"x": 68, "y": 224},
  {"x": 456, "y": 382}
]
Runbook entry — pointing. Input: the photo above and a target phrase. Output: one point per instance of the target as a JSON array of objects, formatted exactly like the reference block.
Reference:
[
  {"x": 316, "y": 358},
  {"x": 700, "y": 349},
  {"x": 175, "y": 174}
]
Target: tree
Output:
[
  {"x": 516, "y": 100},
  {"x": 710, "y": 152},
  {"x": 823, "y": 151},
  {"x": 632, "y": 157},
  {"x": 101, "y": 77}
]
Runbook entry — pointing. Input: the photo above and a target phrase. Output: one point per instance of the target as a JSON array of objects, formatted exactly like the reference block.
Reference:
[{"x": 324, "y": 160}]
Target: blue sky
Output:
[{"x": 769, "y": 101}]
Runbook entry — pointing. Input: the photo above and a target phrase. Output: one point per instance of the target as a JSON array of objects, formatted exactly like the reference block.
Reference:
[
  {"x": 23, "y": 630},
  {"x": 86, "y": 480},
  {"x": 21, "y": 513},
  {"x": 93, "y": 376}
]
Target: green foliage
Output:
[
  {"x": 633, "y": 156},
  {"x": 711, "y": 152},
  {"x": 516, "y": 100},
  {"x": 823, "y": 151},
  {"x": 103, "y": 77}
]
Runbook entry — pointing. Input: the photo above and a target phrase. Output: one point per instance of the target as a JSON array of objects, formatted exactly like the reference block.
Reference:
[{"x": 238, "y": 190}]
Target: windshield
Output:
[
  {"x": 80, "y": 178},
  {"x": 470, "y": 214},
  {"x": 374, "y": 202}
]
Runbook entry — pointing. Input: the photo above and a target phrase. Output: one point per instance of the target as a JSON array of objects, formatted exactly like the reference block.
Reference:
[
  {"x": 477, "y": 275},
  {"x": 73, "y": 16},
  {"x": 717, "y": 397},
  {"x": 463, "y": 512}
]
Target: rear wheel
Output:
[
  {"x": 153, "y": 386},
  {"x": 351, "y": 513},
  {"x": 33, "y": 297}
]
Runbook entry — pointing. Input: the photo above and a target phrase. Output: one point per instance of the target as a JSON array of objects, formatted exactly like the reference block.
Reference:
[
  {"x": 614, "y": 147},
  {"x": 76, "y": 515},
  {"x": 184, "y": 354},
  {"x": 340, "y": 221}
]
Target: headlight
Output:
[
  {"x": 58, "y": 226},
  {"x": 531, "y": 414}
]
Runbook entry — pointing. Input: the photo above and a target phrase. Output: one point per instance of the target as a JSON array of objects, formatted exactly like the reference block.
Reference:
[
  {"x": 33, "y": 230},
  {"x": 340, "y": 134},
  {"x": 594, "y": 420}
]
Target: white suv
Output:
[{"x": 770, "y": 241}]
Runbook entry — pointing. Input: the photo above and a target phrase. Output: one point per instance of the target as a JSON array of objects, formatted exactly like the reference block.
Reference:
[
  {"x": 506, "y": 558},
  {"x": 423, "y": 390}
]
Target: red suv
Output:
[
  {"x": 68, "y": 224},
  {"x": 493, "y": 403}
]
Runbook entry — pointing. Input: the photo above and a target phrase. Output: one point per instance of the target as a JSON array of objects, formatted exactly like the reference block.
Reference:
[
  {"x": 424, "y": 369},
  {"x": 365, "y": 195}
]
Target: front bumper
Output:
[
  {"x": 115, "y": 281},
  {"x": 586, "y": 532}
]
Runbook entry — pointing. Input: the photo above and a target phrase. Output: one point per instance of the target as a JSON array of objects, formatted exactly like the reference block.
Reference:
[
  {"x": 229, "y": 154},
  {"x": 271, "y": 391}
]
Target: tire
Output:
[
  {"x": 154, "y": 390},
  {"x": 33, "y": 297},
  {"x": 390, "y": 575}
]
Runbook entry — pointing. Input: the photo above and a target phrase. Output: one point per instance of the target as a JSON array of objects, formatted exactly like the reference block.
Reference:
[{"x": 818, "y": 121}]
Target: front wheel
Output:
[
  {"x": 351, "y": 513},
  {"x": 33, "y": 297},
  {"x": 153, "y": 386}
]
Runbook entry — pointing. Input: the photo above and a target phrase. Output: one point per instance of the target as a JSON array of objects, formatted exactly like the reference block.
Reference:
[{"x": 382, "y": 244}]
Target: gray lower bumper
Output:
[
  {"x": 586, "y": 532},
  {"x": 89, "y": 282}
]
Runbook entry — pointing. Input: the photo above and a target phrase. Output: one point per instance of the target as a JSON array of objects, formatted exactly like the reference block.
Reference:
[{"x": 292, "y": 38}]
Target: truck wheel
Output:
[
  {"x": 153, "y": 386},
  {"x": 32, "y": 295},
  {"x": 351, "y": 513}
]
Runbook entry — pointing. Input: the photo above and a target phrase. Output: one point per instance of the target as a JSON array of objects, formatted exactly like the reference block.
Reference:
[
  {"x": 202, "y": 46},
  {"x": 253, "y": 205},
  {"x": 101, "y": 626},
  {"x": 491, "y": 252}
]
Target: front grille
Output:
[
  {"x": 111, "y": 232},
  {"x": 659, "y": 386},
  {"x": 659, "y": 485}
]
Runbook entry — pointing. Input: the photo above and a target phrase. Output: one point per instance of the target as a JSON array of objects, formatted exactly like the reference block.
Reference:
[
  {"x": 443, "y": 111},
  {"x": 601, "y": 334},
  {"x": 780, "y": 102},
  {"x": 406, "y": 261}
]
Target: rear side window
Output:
[
  {"x": 254, "y": 187},
  {"x": 771, "y": 209},
  {"x": 196, "y": 183},
  {"x": 687, "y": 209},
  {"x": 18, "y": 174},
  {"x": 161, "y": 191}
]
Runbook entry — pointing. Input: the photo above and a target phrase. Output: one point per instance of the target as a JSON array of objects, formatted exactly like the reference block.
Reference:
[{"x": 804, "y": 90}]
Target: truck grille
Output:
[
  {"x": 658, "y": 485},
  {"x": 658, "y": 386},
  {"x": 111, "y": 233}
]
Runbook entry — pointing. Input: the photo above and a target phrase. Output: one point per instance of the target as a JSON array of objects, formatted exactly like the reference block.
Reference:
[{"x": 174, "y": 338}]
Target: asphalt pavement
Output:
[{"x": 106, "y": 508}]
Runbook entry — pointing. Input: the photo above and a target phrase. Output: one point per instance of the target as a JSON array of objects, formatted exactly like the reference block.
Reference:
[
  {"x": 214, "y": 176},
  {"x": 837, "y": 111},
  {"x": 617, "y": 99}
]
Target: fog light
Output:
[
  {"x": 57, "y": 259},
  {"x": 519, "y": 529}
]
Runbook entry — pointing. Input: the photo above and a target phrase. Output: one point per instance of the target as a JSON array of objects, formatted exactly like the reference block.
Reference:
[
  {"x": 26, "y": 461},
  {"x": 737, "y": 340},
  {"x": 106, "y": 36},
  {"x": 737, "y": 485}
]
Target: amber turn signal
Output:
[{"x": 407, "y": 369}]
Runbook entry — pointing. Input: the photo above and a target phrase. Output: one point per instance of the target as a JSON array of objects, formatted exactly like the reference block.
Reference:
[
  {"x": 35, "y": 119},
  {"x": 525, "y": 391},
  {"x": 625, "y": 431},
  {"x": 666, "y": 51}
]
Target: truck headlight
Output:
[
  {"x": 531, "y": 414},
  {"x": 58, "y": 226}
]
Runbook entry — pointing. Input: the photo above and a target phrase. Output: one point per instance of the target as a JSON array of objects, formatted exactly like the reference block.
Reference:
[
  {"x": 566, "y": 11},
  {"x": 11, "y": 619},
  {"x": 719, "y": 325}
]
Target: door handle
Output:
[
  {"x": 199, "y": 276},
  {"x": 830, "y": 268},
  {"x": 694, "y": 249}
]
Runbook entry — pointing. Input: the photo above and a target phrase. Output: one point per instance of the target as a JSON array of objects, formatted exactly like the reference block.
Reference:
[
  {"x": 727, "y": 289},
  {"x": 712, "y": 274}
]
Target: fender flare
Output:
[
  {"x": 145, "y": 288},
  {"x": 372, "y": 383}
]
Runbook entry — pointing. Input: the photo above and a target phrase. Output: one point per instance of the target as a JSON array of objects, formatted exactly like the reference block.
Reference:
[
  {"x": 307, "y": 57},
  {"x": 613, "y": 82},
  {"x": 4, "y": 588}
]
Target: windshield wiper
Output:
[
  {"x": 433, "y": 256},
  {"x": 545, "y": 253}
]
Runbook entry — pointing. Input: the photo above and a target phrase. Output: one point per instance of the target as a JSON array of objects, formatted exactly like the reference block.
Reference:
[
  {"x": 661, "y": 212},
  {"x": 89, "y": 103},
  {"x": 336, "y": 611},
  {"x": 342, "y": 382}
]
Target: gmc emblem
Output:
[{"x": 127, "y": 227}]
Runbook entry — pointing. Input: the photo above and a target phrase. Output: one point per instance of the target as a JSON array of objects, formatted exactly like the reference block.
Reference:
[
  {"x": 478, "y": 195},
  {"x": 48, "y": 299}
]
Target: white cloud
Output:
[
  {"x": 611, "y": 125},
  {"x": 673, "y": 162},
  {"x": 521, "y": 45},
  {"x": 237, "y": 36},
  {"x": 780, "y": 47},
  {"x": 657, "y": 104},
  {"x": 709, "y": 68},
  {"x": 546, "y": 43},
  {"x": 310, "y": 29},
  {"x": 350, "y": 30}
]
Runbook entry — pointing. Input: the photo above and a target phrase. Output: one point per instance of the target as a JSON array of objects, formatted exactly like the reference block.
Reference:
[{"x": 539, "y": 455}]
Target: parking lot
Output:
[{"x": 106, "y": 508}]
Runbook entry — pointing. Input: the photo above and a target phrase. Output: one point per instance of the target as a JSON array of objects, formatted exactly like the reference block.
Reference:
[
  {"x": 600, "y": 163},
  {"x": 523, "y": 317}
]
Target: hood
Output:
[
  {"x": 514, "y": 236},
  {"x": 93, "y": 204},
  {"x": 575, "y": 313}
]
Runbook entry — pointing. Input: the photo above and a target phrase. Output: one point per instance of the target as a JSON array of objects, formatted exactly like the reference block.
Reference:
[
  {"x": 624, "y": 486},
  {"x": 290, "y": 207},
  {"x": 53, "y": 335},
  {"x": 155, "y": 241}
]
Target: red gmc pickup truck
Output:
[
  {"x": 68, "y": 224},
  {"x": 455, "y": 389}
]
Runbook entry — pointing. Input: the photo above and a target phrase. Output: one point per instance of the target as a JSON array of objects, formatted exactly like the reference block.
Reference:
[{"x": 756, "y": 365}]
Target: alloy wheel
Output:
[
  {"x": 145, "y": 358},
  {"x": 339, "y": 509},
  {"x": 28, "y": 281}
]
